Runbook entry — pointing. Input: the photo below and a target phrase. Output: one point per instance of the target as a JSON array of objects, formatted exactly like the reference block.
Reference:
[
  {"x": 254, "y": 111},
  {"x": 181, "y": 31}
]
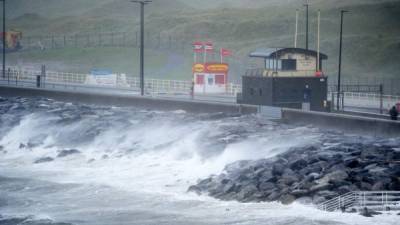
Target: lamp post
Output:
[
  {"x": 340, "y": 58},
  {"x": 142, "y": 4},
  {"x": 4, "y": 38},
  {"x": 307, "y": 6}
]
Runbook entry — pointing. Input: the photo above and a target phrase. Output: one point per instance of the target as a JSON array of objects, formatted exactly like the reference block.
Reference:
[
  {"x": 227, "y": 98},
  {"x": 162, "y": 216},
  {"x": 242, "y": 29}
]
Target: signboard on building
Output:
[
  {"x": 210, "y": 77},
  {"x": 106, "y": 78}
]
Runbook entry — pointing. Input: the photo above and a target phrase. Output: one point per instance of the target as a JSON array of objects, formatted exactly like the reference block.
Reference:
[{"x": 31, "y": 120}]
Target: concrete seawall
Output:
[
  {"x": 347, "y": 123},
  {"x": 128, "y": 100}
]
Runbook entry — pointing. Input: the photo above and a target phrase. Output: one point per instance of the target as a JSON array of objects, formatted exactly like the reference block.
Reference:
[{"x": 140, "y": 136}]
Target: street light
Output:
[
  {"x": 4, "y": 38},
  {"x": 340, "y": 57},
  {"x": 142, "y": 4},
  {"x": 307, "y": 6}
]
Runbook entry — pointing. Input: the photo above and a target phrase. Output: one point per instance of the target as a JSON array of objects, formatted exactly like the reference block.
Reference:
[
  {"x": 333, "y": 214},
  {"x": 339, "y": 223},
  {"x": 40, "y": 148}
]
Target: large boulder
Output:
[
  {"x": 266, "y": 186},
  {"x": 332, "y": 177},
  {"x": 278, "y": 169},
  {"x": 298, "y": 164},
  {"x": 195, "y": 189},
  {"x": 245, "y": 194},
  {"x": 287, "y": 199}
]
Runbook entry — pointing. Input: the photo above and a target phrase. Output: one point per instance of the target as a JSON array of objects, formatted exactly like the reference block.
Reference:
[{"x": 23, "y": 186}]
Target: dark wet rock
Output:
[
  {"x": 327, "y": 194},
  {"x": 28, "y": 221},
  {"x": 195, "y": 189},
  {"x": 22, "y": 146},
  {"x": 300, "y": 192},
  {"x": 278, "y": 169},
  {"x": 321, "y": 187},
  {"x": 44, "y": 160},
  {"x": 266, "y": 186},
  {"x": 65, "y": 153},
  {"x": 287, "y": 199},
  {"x": 273, "y": 196},
  {"x": 317, "y": 173},
  {"x": 333, "y": 177},
  {"x": 352, "y": 163},
  {"x": 289, "y": 179},
  {"x": 368, "y": 212},
  {"x": 345, "y": 189},
  {"x": 12, "y": 221},
  {"x": 245, "y": 194},
  {"x": 298, "y": 164}
]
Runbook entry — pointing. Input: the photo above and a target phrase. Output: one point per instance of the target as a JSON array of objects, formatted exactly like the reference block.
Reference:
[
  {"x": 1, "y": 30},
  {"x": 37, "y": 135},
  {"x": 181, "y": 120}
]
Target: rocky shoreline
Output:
[{"x": 311, "y": 174}]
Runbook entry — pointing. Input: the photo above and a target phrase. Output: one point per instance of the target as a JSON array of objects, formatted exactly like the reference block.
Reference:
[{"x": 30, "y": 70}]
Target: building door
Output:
[{"x": 209, "y": 83}]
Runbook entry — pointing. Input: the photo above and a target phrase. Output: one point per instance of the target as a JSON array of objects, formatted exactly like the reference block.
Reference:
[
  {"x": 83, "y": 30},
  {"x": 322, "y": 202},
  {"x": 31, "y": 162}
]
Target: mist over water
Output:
[{"x": 80, "y": 164}]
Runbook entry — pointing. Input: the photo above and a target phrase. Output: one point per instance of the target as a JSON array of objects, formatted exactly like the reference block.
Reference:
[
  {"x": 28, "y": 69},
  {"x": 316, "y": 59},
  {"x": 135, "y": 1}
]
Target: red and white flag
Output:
[
  {"x": 198, "y": 47},
  {"x": 226, "y": 52},
  {"x": 209, "y": 47}
]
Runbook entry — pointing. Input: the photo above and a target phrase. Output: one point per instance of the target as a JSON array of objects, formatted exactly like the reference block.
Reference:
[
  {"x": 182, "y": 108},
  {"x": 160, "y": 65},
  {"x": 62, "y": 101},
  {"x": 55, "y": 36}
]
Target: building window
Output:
[
  {"x": 270, "y": 64},
  {"x": 273, "y": 64},
  {"x": 289, "y": 64},
  {"x": 219, "y": 79},
  {"x": 200, "y": 79}
]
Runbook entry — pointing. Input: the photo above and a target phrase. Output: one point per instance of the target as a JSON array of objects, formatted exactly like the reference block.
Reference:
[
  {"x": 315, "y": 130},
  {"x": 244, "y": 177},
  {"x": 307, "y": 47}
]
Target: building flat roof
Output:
[{"x": 269, "y": 53}]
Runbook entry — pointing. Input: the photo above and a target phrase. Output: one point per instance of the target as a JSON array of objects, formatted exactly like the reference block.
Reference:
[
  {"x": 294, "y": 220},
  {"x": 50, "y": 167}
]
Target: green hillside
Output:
[{"x": 371, "y": 33}]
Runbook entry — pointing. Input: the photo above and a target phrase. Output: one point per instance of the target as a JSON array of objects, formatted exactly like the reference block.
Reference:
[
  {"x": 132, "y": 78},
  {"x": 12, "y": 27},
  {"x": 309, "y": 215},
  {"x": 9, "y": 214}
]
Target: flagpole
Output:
[
  {"x": 222, "y": 57},
  {"x": 205, "y": 56}
]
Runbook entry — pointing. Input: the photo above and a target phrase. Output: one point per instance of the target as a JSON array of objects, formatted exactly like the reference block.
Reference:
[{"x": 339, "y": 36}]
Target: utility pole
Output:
[
  {"x": 297, "y": 28},
  {"x": 4, "y": 38},
  {"x": 319, "y": 42},
  {"x": 142, "y": 4},
  {"x": 307, "y": 6},
  {"x": 340, "y": 58}
]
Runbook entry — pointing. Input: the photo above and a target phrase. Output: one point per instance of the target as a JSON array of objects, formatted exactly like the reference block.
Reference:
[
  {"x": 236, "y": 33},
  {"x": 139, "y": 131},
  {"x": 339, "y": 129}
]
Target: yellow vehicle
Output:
[{"x": 13, "y": 40}]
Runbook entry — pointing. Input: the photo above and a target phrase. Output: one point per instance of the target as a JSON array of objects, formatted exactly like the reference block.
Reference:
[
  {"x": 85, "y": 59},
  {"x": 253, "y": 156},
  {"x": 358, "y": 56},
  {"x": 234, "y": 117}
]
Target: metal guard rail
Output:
[
  {"x": 153, "y": 86},
  {"x": 376, "y": 200}
]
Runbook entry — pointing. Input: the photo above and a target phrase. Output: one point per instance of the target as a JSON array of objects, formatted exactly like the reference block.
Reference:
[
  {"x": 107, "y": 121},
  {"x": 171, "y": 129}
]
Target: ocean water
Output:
[{"x": 134, "y": 165}]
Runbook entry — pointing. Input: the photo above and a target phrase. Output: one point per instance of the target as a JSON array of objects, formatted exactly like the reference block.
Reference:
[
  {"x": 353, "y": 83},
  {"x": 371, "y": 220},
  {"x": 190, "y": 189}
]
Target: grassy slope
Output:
[{"x": 371, "y": 46}]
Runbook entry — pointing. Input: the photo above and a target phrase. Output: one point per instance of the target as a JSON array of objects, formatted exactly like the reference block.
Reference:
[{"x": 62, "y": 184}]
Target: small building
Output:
[
  {"x": 288, "y": 62},
  {"x": 288, "y": 77},
  {"x": 210, "y": 78}
]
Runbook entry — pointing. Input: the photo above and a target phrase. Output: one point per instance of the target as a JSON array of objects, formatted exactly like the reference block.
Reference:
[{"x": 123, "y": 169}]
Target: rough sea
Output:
[{"x": 64, "y": 163}]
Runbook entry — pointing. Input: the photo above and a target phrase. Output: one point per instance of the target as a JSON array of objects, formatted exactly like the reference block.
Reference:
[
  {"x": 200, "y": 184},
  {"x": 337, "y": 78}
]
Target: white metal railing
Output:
[
  {"x": 376, "y": 200},
  {"x": 152, "y": 86},
  {"x": 367, "y": 100}
]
